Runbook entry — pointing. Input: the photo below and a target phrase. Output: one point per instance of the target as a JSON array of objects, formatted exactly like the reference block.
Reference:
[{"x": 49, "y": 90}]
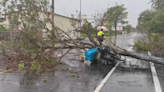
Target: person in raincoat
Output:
[{"x": 100, "y": 36}]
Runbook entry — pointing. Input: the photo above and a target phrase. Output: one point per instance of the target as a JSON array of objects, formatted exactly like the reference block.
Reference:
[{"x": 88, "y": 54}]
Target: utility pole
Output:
[
  {"x": 53, "y": 9},
  {"x": 53, "y": 6},
  {"x": 80, "y": 14}
]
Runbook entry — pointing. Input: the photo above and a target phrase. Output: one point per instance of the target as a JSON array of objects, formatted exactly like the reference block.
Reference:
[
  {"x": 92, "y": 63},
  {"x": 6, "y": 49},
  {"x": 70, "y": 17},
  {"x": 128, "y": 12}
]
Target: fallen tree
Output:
[
  {"x": 31, "y": 51},
  {"x": 140, "y": 56}
]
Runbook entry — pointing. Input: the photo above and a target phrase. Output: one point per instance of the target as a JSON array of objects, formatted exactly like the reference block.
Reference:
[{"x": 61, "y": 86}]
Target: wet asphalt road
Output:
[
  {"x": 160, "y": 73},
  {"x": 133, "y": 75},
  {"x": 77, "y": 77},
  {"x": 123, "y": 80},
  {"x": 85, "y": 78}
]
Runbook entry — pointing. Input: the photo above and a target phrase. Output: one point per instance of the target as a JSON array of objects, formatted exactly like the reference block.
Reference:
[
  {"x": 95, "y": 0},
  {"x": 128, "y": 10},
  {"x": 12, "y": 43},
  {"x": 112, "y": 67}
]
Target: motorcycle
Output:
[{"x": 105, "y": 55}]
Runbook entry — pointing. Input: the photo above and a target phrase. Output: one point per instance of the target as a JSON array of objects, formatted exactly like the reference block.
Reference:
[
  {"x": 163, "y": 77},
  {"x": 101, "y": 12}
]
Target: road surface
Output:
[
  {"x": 85, "y": 78},
  {"x": 133, "y": 75}
]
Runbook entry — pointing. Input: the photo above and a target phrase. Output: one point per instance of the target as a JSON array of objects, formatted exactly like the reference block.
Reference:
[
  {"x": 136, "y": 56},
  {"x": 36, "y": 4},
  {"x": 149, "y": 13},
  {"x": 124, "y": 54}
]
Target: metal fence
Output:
[{"x": 9, "y": 36}]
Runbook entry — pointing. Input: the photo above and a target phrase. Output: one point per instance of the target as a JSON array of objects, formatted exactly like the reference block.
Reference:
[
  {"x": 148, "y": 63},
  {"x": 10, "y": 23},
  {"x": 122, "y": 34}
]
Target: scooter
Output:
[{"x": 105, "y": 55}]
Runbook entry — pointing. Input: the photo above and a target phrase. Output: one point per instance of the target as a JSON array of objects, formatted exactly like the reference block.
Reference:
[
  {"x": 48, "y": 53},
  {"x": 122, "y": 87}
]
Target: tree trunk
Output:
[{"x": 147, "y": 58}]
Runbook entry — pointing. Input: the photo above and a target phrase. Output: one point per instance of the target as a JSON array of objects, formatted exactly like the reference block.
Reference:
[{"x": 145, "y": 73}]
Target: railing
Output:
[{"x": 8, "y": 38}]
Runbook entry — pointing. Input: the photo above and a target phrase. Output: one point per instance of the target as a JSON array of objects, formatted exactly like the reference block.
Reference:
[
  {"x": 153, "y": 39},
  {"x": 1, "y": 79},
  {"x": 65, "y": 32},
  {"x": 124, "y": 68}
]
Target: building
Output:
[
  {"x": 61, "y": 22},
  {"x": 120, "y": 29}
]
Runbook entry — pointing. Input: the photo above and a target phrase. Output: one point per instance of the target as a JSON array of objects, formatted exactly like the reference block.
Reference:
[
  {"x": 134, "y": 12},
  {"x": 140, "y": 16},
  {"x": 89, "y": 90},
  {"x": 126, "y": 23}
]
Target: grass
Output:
[
  {"x": 73, "y": 75},
  {"x": 141, "y": 46},
  {"x": 154, "y": 43},
  {"x": 44, "y": 80}
]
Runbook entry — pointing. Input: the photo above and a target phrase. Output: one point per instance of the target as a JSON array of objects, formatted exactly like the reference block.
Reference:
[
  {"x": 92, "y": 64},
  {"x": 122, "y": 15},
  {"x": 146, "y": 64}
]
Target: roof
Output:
[
  {"x": 67, "y": 17},
  {"x": 50, "y": 13},
  {"x": 62, "y": 16}
]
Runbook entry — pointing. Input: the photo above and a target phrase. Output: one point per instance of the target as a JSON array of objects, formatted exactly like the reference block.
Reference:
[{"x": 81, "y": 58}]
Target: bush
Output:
[
  {"x": 153, "y": 42},
  {"x": 141, "y": 46}
]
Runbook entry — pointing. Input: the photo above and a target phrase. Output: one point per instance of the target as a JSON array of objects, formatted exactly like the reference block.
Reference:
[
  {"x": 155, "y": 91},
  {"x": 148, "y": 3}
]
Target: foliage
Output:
[
  {"x": 27, "y": 18},
  {"x": 140, "y": 28},
  {"x": 116, "y": 15},
  {"x": 156, "y": 24},
  {"x": 25, "y": 72},
  {"x": 93, "y": 31},
  {"x": 2, "y": 28},
  {"x": 151, "y": 22},
  {"x": 88, "y": 26},
  {"x": 144, "y": 20},
  {"x": 145, "y": 16},
  {"x": 140, "y": 46},
  {"x": 21, "y": 65},
  {"x": 51, "y": 88},
  {"x": 157, "y": 4},
  {"x": 152, "y": 42},
  {"x": 45, "y": 80},
  {"x": 73, "y": 75},
  {"x": 128, "y": 28}
]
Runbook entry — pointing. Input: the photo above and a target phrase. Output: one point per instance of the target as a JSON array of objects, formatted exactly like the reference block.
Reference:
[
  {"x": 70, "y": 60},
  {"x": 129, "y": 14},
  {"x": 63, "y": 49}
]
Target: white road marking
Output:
[
  {"x": 130, "y": 48},
  {"x": 106, "y": 78},
  {"x": 108, "y": 75},
  {"x": 155, "y": 77}
]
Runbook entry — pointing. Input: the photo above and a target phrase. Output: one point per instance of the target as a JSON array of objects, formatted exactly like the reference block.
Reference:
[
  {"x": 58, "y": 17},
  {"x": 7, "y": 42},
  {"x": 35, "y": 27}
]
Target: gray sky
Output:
[{"x": 89, "y": 7}]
